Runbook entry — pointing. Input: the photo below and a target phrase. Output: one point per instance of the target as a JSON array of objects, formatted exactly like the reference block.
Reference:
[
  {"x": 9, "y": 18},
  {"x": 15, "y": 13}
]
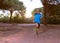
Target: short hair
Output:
[{"x": 39, "y": 9}]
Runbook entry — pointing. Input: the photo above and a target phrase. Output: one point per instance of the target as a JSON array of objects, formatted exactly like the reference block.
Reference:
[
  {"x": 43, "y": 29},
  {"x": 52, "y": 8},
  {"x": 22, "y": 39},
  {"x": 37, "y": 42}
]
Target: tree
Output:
[
  {"x": 46, "y": 4},
  {"x": 52, "y": 9},
  {"x": 11, "y": 5}
]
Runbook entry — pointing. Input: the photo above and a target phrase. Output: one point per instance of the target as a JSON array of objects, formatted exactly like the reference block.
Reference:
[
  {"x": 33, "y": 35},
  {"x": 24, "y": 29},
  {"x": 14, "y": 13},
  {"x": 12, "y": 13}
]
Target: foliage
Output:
[
  {"x": 12, "y": 5},
  {"x": 17, "y": 19},
  {"x": 53, "y": 14},
  {"x": 4, "y": 19},
  {"x": 15, "y": 4},
  {"x": 55, "y": 2}
]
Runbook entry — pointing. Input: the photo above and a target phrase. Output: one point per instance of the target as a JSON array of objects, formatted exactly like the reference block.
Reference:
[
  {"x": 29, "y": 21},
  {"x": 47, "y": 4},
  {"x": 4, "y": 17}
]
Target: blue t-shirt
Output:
[{"x": 37, "y": 17}]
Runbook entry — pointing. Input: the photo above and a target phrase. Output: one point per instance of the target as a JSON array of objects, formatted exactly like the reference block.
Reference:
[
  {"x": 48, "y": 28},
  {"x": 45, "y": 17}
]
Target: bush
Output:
[
  {"x": 53, "y": 20},
  {"x": 4, "y": 19},
  {"x": 17, "y": 19}
]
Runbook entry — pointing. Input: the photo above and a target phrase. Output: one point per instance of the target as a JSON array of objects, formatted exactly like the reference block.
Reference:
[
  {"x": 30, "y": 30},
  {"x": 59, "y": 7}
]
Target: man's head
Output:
[{"x": 38, "y": 10}]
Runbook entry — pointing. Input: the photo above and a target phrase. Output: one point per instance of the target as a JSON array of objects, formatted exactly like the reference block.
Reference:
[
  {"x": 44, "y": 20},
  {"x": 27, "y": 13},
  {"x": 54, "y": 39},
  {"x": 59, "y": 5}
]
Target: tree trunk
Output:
[
  {"x": 45, "y": 23},
  {"x": 10, "y": 17},
  {"x": 45, "y": 11},
  {"x": 11, "y": 11}
]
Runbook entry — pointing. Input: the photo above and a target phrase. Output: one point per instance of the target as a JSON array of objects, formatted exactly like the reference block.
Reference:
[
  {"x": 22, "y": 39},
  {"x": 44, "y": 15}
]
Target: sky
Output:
[{"x": 30, "y": 5}]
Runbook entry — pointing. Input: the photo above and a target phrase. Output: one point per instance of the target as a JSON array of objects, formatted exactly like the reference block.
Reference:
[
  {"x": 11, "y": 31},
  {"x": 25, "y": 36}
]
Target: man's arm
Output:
[{"x": 41, "y": 15}]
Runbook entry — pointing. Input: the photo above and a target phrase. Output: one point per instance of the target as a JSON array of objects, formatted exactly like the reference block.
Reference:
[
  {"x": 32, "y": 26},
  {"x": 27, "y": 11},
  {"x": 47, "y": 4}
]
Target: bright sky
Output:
[{"x": 30, "y": 5}]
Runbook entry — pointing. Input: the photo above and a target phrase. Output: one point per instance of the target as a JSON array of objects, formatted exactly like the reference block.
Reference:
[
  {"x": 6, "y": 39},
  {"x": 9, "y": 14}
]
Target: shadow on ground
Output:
[{"x": 6, "y": 31}]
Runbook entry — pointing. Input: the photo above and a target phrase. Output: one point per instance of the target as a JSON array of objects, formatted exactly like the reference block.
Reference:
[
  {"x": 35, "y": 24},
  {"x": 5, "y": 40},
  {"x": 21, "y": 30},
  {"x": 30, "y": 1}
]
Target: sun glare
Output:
[
  {"x": 28, "y": 15},
  {"x": 30, "y": 5}
]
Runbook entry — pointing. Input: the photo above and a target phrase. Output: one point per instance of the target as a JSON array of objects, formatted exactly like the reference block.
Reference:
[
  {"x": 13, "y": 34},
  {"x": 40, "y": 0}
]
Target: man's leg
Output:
[{"x": 37, "y": 28}]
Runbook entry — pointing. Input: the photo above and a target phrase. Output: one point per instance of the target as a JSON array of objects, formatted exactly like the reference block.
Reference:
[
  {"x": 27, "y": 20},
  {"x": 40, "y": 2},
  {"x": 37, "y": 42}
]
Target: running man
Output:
[{"x": 37, "y": 19}]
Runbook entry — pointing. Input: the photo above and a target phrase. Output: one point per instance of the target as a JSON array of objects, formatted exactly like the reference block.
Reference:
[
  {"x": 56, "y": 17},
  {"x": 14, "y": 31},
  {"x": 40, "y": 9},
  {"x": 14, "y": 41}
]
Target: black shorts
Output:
[{"x": 38, "y": 25}]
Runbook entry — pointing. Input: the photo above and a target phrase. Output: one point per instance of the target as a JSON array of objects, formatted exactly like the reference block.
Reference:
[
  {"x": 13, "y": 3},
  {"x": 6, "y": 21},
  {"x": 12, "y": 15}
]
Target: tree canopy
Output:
[
  {"x": 55, "y": 2},
  {"x": 14, "y": 4}
]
